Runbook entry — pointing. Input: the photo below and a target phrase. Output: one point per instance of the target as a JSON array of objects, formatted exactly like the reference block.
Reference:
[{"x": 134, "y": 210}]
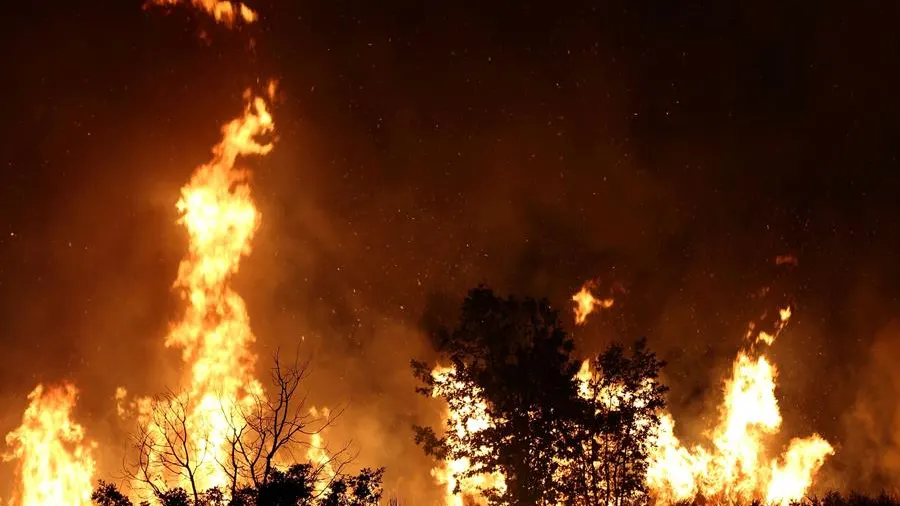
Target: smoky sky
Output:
[{"x": 426, "y": 147}]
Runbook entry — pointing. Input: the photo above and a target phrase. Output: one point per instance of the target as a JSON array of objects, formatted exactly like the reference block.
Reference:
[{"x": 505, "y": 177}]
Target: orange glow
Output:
[
  {"x": 214, "y": 334},
  {"x": 586, "y": 302},
  {"x": 225, "y": 12},
  {"x": 737, "y": 466},
  {"x": 786, "y": 260},
  {"x": 318, "y": 455},
  {"x": 55, "y": 463},
  {"x": 469, "y": 417}
]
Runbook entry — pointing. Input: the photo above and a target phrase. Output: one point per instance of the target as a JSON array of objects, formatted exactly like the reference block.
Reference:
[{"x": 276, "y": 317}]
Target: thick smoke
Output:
[
  {"x": 871, "y": 444},
  {"x": 423, "y": 154}
]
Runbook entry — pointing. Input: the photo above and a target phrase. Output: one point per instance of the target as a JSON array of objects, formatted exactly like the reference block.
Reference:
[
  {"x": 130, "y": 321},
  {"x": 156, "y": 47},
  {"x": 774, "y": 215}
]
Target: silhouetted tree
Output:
[
  {"x": 555, "y": 436},
  {"x": 614, "y": 439},
  {"x": 106, "y": 494},
  {"x": 294, "y": 486},
  {"x": 515, "y": 356},
  {"x": 167, "y": 451},
  {"x": 272, "y": 429},
  {"x": 363, "y": 489},
  {"x": 276, "y": 425}
]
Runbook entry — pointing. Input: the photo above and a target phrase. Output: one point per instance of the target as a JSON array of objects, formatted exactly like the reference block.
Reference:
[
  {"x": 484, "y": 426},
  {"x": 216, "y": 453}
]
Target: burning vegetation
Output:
[
  {"x": 526, "y": 419},
  {"x": 55, "y": 461},
  {"x": 737, "y": 467},
  {"x": 527, "y": 424}
]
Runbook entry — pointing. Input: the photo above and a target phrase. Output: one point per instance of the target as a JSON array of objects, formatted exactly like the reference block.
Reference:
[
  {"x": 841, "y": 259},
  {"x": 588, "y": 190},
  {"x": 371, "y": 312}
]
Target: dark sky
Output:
[{"x": 425, "y": 147}]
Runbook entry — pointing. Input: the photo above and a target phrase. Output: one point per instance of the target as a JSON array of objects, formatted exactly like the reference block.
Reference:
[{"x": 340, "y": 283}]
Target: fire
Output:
[
  {"x": 56, "y": 465},
  {"x": 225, "y": 12},
  {"x": 467, "y": 417},
  {"x": 318, "y": 455},
  {"x": 214, "y": 334},
  {"x": 586, "y": 302},
  {"x": 737, "y": 466}
]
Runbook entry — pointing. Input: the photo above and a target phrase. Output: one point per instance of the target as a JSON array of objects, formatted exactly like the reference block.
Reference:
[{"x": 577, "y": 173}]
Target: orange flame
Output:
[
  {"x": 586, "y": 302},
  {"x": 225, "y": 12},
  {"x": 214, "y": 333},
  {"x": 318, "y": 454},
  {"x": 56, "y": 465},
  {"x": 467, "y": 418},
  {"x": 737, "y": 467}
]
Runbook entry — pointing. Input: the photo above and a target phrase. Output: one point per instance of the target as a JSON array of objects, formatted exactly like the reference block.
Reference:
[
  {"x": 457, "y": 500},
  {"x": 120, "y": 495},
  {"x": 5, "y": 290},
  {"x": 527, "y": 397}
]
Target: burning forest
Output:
[{"x": 520, "y": 256}]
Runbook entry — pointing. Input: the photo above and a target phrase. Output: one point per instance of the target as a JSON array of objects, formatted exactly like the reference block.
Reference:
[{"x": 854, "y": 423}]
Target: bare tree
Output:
[
  {"x": 167, "y": 452},
  {"x": 272, "y": 430},
  {"x": 275, "y": 426},
  {"x": 245, "y": 445}
]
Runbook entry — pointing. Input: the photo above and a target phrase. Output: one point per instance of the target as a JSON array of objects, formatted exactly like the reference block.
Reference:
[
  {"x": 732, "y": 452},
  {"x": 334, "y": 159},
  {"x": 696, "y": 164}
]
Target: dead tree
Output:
[
  {"x": 274, "y": 428},
  {"x": 167, "y": 452},
  {"x": 278, "y": 425}
]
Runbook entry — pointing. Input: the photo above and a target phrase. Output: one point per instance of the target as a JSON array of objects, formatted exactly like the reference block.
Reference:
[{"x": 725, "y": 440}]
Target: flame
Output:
[
  {"x": 56, "y": 465},
  {"x": 214, "y": 334},
  {"x": 737, "y": 466},
  {"x": 225, "y": 12},
  {"x": 318, "y": 455},
  {"x": 465, "y": 418},
  {"x": 586, "y": 302}
]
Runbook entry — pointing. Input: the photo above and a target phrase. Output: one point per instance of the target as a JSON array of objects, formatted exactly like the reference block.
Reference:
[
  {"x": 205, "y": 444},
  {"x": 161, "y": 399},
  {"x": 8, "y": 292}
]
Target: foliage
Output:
[
  {"x": 295, "y": 486},
  {"x": 107, "y": 494},
  {"x": 554, "y": 438},
  {"x": 624, "y": 399},
  {"x": 515, "y": 356}
]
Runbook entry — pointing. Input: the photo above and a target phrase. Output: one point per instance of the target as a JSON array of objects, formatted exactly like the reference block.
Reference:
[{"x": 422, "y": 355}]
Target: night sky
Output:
[{"x": 424, "y": 147}]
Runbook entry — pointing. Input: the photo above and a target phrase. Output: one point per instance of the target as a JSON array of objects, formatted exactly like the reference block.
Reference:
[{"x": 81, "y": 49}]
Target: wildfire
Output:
[
  {"x": 466, "y": 417},
  {"x": 225, "y": 12},
  {"x": 214, "y": 334},
  {"x": 586, "y": 302},
  {"x": 56, "y": 465},
  {"x": 737, "y": 466},
  {"x": 318, "y": 455}
]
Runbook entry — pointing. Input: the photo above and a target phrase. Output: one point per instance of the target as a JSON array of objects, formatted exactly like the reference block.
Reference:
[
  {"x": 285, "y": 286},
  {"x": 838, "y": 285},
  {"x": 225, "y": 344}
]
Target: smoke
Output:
[
  {"x": 419, "y": 158},
  {"x": 871, "y": 443}
]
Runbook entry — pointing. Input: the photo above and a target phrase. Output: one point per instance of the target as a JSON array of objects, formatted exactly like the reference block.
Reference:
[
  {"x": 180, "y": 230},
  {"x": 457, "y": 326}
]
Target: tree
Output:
[
  {"x": 276, "y": 423},
  {"x": 521, "y": 408},
  {"x": 295, "y": 486},
  {"x": 262, "y": 436},
  {"x": 514, "y": 358},
  {"x": 167, "y": 451},
  {"x": 624, "y": 400},
  {"x": 106, "y": 494}
]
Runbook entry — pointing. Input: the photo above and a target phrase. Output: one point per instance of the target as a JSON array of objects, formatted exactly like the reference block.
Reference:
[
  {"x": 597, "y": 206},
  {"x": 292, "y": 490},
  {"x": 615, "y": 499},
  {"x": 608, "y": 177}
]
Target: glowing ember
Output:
[
  {"x": 786, "y": 260},
  {"x": 55, "y": 463},
  {"x": 224, "y": 12},
  {"x": 214, "y": 333},
  {"x": 586, "y": 302},
  {"x": 737, "y": 467}
]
